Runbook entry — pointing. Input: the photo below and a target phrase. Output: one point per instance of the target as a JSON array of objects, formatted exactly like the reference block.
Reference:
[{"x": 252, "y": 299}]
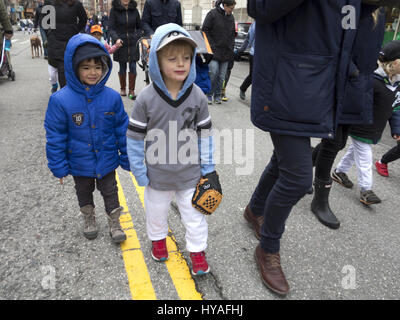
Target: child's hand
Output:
[
  {"x": 396, "y": 136},
  {"x": 118, "y": 45},
  {"x": 61, "y": 180}
]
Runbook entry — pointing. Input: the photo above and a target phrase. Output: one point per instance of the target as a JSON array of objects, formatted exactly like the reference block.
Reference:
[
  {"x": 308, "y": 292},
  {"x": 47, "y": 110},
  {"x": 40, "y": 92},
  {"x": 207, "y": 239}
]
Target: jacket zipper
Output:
[{"x": 127, "y": 30}]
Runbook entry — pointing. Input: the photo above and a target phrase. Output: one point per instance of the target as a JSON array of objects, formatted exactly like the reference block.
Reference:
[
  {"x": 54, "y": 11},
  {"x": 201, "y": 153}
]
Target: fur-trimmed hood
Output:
[{"x": 117, "y": 5}]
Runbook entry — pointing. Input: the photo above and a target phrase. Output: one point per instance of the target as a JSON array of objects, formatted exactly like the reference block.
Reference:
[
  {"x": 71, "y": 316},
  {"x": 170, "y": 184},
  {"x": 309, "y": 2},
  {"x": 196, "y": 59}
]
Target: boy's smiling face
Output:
[
  {"x": 90, "y": 71},
  {"x": 175, "y": 62}
]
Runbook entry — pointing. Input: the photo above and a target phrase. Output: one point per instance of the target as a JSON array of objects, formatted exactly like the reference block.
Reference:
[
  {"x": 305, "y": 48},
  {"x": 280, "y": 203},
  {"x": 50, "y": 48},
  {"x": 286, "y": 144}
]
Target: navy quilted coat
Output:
[{"x": 311, "y": 72}]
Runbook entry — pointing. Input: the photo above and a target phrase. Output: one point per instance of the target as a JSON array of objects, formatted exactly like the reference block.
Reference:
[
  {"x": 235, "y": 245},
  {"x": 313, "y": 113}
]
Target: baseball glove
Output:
[{"x": 208, "y": 194}]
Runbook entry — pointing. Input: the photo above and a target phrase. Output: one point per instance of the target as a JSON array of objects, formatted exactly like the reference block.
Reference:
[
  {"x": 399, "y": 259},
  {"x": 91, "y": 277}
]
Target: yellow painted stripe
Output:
[
  {"x": 176, "y": 264},
  {"x": 138, "y": 276},
  {"x": 180, "y": 273}
]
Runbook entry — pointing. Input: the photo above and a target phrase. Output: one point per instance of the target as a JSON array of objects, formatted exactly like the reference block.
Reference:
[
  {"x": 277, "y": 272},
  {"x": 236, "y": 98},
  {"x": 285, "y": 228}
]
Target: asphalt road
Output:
[{"x": 44, "y": 255}]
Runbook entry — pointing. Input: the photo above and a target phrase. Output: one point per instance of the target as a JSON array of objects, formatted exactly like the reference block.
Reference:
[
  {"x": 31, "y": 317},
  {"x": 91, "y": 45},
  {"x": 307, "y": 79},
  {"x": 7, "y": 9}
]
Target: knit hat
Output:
[
  {"x": 390, "y": 51},
  {"x": 89, "y": 51},
  {"x": 96, "y": 28}
]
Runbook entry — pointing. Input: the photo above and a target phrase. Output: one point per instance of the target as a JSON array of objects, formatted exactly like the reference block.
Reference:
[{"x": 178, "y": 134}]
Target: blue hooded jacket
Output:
[
  {"x": 312, "y": 69},
  {"x": 85, "y": 125}
]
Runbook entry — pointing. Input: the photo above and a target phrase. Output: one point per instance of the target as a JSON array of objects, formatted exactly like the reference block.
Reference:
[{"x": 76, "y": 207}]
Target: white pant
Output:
[
  {"x": 53, "y": 73},
  {"x": 360, "y": 153},
  {"x": 157, "y": 205}
]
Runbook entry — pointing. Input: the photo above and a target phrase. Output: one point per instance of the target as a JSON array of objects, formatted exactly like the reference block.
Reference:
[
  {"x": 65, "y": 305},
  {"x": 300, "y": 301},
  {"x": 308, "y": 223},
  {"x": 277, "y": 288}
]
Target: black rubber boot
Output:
[{"x": 320, "y": 204}]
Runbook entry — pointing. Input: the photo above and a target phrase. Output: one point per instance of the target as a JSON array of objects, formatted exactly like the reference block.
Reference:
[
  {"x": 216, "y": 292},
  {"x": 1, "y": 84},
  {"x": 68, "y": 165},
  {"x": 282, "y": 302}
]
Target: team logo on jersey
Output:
[
  {"x": 78, "y": 118},
  {"x": 190, "y": 115}
]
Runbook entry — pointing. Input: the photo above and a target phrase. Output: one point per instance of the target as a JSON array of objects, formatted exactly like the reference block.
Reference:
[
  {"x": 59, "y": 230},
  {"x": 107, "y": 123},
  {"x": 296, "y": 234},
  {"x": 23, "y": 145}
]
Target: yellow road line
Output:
[
  {"x": 135, "y": 265},
  {"x": 176, "y": 264}
]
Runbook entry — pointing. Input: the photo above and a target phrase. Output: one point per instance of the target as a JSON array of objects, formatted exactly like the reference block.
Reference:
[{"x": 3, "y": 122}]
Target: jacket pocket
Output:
[
  {"x": 109, "y": 119},
  {"x": 304, "y": 88},
  {"x": 172, "y": 14},
  {"x": 355, "y": 95},
  {"x": 156, "y": 17}
]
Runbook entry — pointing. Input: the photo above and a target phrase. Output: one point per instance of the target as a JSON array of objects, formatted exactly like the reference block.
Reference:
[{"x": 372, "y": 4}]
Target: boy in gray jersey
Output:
[{"x": 170, "y": 143}]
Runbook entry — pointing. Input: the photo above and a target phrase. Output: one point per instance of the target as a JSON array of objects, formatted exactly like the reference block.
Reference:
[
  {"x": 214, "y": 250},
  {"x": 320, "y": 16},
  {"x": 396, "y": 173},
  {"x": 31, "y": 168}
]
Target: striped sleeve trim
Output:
[
  {"x": 137, "y": 126},
  {"x": 204, "y": 124},
  {"x": 137, "y": 123}
]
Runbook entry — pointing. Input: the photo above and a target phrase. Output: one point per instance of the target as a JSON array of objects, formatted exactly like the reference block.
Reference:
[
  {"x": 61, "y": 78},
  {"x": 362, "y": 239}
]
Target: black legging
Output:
[
  {"x": 392, "y": 155},
  {"x": 326, "y": 151},
  {"x": 247, "y": 82},
  {"x": 61, "y": 73}
]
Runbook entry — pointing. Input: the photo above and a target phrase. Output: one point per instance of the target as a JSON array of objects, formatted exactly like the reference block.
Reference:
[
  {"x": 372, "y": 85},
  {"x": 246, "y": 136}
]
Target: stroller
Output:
[
  {"x": 144, "y": 50},
  {"x": 5, "y": 61}
]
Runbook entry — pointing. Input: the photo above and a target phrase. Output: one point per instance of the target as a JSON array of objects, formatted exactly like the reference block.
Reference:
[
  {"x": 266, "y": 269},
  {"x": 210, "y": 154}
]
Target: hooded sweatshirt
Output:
[
  {"x": 178, "y": 151},
  {"x": 85, "y": 125}
]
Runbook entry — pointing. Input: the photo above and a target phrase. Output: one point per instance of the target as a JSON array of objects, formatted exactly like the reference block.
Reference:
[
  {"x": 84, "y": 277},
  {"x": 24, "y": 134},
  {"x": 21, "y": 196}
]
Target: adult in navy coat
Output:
[
  {"x": 313, "y": 70},
  {"x": 159, "y": 12}
]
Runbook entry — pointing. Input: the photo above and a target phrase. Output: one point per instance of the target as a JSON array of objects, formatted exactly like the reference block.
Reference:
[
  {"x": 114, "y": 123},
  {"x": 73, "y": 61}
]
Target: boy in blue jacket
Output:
[{"x": 86, "y": 132}]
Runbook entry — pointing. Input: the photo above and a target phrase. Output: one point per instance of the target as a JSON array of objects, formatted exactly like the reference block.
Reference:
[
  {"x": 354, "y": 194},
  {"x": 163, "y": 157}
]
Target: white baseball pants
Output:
[
  {"x": 157, "y": 204},
  {"x": 359, "y": 153}
]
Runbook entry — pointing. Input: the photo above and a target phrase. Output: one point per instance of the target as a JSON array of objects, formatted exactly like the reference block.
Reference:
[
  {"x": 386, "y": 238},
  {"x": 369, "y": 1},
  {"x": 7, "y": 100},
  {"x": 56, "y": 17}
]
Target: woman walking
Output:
[
  {"x": 124, "y": 28},
  {"x": 70, "y": 20}
]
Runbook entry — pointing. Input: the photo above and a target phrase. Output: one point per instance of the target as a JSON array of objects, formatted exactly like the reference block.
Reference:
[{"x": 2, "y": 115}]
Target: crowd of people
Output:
[{"x": 309, "y": 77}]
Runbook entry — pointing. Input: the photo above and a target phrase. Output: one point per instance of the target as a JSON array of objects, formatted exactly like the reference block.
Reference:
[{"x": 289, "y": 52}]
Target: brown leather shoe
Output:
[
  {"x": 271, "y": 271},
  {"x": 254, "y": 220}
]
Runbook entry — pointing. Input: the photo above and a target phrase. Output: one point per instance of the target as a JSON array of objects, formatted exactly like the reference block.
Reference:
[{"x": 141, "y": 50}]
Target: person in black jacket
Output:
[
  {"x": 386, "y": 107},
  {"x": 159, "y": 12},
  {"x": 70, "y": 20},
  {"x": 125, "y": 29},
  {"x": 38, "y": 23},
  {"x": 219, "y": 26}
]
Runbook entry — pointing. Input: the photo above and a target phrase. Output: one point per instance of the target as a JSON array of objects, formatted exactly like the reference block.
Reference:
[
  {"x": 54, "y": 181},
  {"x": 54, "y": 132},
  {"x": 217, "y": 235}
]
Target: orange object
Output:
[{"x": 96, "y": 28}]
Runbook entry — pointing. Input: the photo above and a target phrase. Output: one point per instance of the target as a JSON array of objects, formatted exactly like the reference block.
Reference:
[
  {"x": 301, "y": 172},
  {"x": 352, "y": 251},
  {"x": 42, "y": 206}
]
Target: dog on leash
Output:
[{"x": 36, "y": 45}]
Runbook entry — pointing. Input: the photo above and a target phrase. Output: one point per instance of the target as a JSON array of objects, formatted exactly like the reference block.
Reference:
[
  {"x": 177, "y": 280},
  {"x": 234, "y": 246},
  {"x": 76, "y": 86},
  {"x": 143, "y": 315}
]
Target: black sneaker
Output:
[
  {"x": 342, "y": 178},
  {"x": 369, "y": 197}
]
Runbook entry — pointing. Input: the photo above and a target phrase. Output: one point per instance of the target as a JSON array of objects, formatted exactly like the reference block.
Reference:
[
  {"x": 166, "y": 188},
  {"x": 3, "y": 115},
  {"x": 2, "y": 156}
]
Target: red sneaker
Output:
[
  {"x": 159, "y": 250},
  {"x": 199, "y": 263},
  {"x": 382, "y": 169}
]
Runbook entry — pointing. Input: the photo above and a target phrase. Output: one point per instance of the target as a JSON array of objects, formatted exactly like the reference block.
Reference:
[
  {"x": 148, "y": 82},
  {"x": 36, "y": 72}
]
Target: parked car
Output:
[{"x": 242, "y": 28}]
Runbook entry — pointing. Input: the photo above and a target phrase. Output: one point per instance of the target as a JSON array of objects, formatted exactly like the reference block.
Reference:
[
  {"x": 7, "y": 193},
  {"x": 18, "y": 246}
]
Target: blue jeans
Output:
[
  {"x": 217, "y": 77},
  {"x": 283, "y": 183},
  {"x": 122, "y": 67}
]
